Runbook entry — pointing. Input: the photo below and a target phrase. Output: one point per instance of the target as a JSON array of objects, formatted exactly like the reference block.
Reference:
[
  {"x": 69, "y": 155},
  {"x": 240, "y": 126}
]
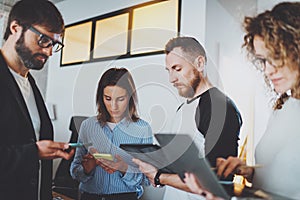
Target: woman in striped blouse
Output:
[{"x": 117, "y": 123}]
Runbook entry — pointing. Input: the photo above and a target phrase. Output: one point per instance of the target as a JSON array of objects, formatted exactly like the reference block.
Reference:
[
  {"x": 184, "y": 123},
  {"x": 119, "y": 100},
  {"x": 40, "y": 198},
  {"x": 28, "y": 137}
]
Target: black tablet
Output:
[{"x": 150, "y": 153}]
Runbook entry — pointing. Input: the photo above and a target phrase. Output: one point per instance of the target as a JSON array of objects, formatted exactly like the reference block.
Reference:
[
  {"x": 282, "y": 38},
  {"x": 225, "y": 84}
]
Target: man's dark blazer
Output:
[{"x": 19, "y": 165}]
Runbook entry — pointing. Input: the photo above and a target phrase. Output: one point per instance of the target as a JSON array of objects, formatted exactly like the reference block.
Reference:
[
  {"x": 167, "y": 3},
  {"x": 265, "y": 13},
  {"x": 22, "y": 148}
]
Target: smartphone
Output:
[
  {"x": 74, "y": 145},
  {"x": 103, "y": 156}
]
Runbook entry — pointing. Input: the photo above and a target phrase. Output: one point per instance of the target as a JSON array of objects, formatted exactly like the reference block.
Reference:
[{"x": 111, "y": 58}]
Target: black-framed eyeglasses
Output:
[{"x": 46, "y": 42}]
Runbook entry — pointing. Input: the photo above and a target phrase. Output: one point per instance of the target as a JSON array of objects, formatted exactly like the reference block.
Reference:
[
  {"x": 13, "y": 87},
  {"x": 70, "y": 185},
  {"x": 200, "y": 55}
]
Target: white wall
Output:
[{"x": 232, "y": 73}]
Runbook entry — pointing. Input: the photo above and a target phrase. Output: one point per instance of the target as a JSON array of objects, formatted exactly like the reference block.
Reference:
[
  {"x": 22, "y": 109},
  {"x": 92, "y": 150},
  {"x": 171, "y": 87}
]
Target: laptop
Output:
[
  {"x": 191, "y": 161},
  {"x": 177, "y": 154}
]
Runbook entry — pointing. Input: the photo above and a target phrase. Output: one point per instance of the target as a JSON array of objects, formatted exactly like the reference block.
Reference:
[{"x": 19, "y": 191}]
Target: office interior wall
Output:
[{"x": 230, "y": 70}]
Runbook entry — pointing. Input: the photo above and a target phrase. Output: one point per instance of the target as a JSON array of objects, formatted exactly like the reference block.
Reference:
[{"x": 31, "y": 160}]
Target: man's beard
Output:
[
  {"x": 190, "y": 90},
  {"x": 27, "y": 57}
]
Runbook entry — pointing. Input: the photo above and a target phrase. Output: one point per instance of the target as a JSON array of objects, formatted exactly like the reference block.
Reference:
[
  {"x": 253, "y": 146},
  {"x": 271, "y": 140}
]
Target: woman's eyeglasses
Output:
[
  {"x": 260, "y": 63},
  {"x": 45, "y": 41}
]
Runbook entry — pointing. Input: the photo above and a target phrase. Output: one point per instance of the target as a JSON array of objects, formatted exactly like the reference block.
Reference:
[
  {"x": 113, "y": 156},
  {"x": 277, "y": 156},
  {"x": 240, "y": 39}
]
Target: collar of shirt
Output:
[{"x": 123, "y": 122}]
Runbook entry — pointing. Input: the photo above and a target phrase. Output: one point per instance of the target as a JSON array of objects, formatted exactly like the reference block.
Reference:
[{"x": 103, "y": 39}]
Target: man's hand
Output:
[
  {"x": 147, "y": 169},
  {"x": 233, "y": 165},
  {"x": 193, "y": 183},
  {"x": 49, "y": 149},
  {"x": 167, "y": 179}
]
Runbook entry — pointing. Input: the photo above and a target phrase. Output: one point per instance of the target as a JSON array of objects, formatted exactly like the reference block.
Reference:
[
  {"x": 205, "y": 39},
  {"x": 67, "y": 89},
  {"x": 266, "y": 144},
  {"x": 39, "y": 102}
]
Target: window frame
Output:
[{"x": 128, "y": 54}]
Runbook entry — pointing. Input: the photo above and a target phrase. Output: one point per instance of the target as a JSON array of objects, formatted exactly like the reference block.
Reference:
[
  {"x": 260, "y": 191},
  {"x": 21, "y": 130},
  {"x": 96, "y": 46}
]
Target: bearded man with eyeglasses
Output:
[{"x": 34, "y": 31}]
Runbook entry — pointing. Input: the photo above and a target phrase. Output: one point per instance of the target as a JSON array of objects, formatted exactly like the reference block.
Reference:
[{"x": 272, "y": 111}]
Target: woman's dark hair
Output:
[
  {"x": 122, "y": 78},
  {"x": 35, "y": 12}
]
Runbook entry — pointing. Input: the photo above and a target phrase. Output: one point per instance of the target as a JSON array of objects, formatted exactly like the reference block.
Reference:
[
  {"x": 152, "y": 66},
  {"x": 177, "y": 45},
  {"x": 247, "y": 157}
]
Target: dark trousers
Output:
[{"x": 119, "y": 196}]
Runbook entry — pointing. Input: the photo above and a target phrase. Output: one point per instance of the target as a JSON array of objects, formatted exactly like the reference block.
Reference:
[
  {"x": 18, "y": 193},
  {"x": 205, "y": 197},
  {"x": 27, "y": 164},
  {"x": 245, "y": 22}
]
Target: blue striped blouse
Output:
[{"x": 106, "y": 140}]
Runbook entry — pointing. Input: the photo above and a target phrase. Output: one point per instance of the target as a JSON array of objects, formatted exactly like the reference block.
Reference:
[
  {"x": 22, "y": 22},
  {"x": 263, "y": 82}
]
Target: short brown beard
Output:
[{"x": 193, "y": 84}]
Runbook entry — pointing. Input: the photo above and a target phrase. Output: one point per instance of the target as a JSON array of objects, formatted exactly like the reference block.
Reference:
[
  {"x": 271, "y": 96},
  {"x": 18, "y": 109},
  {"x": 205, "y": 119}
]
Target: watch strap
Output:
[{"x": 157, "y": 180}]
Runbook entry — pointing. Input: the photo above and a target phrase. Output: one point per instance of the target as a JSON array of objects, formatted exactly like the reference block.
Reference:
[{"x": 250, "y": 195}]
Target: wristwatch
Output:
[{"x": 156, "y": 179}]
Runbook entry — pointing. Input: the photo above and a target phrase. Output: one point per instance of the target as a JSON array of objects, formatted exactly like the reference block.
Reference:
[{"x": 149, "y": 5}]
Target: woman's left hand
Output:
[
  {"x": 112, "y": 166},
  {"x": 88, "y": 163}
]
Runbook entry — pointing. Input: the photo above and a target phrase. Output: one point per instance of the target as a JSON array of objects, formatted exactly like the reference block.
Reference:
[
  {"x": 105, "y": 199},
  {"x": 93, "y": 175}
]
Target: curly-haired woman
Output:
[{"x": 273, "y": 43}]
